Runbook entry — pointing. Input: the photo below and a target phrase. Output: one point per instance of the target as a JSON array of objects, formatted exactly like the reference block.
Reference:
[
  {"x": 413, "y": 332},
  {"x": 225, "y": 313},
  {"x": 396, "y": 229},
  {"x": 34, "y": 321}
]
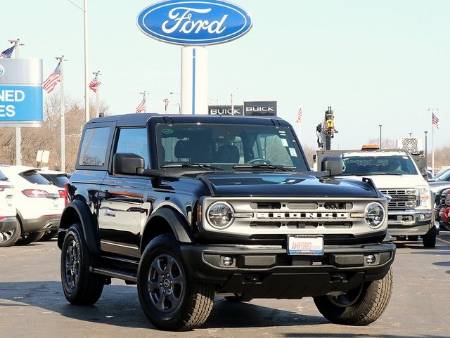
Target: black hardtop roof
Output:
[{"x": 143, "y": 119}]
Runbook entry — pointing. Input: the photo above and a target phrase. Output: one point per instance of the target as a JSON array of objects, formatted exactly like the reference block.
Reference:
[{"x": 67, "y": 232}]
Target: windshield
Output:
[
  {"x": 378, "y": 165},
  {"x": 445, "y": 176},
  {"x": 3, "y": 177},
  {"x": 228, "y": 146}
]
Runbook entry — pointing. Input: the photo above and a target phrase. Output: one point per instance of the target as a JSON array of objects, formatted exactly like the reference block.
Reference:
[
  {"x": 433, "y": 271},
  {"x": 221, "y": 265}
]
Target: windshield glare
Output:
[
  {"x": 378, "y": 165},
  {"x": 226, "y": 145}
]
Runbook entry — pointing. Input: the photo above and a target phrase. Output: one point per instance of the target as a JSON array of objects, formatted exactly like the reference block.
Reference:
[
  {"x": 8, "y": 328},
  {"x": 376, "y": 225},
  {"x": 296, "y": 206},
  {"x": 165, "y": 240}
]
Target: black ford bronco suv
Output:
[{"x": 187, "y": 207}]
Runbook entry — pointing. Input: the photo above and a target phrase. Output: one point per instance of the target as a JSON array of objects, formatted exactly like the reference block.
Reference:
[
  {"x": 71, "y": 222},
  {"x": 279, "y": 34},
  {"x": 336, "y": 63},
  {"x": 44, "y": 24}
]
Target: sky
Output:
[{"x": 375, "y": 62}]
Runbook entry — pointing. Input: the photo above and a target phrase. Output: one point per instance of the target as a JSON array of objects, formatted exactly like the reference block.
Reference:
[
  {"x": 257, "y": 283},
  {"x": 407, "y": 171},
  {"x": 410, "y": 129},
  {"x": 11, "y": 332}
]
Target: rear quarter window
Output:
[
  {"x": 34, "y": 177},
  {"x": 94, "y": 147}
]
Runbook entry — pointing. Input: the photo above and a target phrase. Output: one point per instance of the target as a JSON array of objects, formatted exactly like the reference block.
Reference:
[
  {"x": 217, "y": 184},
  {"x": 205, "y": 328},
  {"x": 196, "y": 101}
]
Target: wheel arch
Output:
[
  {"x": 166, "y": 220},
  {"x": 78, "y": 212}
]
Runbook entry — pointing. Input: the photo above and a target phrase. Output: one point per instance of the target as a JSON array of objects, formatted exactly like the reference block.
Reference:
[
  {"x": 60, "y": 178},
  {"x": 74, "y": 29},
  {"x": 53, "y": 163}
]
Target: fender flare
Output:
[
  {"x": 176, "y": 221},
  {"x": 88, "y": 224}
]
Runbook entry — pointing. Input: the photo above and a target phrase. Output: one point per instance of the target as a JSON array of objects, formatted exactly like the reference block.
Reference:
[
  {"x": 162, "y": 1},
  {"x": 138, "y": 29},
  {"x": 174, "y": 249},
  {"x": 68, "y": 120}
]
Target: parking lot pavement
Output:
[{"x": 32, "y": 303}]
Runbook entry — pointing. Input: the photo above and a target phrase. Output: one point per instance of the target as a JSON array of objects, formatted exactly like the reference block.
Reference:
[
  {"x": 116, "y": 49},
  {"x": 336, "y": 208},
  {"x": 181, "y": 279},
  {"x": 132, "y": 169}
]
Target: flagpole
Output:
[
  {"x": 86, "y": 66},
  {"x": 432, "y": 142},
  {"x": 62, "y": 114},
  {"x": 17, "y": 43}
]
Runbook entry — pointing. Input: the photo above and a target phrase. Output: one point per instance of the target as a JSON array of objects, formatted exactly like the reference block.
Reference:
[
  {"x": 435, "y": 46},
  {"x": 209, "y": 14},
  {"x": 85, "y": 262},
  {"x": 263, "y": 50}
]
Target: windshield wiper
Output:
[
  {"x": 371, "y": 174},
  {"x": 264, "y": 166},
  {"x": 190, "y": 165}
]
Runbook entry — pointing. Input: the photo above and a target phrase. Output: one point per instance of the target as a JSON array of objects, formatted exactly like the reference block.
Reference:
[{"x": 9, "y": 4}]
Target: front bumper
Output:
[
  {"x": 43, "y": 223},
  {"x": 410, "y": 222},
  {"x": 268, "y": 272}
]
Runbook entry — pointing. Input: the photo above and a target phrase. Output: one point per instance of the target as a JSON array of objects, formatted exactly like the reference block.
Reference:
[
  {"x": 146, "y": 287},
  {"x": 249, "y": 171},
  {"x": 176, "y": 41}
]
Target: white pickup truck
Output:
[{"x": 410, "y": 210}]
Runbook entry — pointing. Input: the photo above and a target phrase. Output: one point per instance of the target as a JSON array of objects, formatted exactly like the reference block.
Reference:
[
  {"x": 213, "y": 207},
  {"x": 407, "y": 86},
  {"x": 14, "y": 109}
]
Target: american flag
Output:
[
  {"x": 7, "y": 53},
  {"x": 94, "y": 84},
  {"x": 434, "y": 120},
  {"x": 53, "y": 79},
  {"x": 300, "y": 115},
  {"x": 141, "y": 108}
]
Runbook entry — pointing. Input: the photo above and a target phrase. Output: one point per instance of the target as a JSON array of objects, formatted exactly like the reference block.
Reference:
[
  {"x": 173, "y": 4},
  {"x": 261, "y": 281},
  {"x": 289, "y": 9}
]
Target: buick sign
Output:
[{"x": 194, "y": 23}]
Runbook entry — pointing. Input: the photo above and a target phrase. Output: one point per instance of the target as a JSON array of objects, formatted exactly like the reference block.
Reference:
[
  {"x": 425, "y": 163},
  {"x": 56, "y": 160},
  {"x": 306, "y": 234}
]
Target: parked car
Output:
[
  {"x": 58, "y": 178},
  {"x": 394, "y": 172},
  {"x": 443, "y": 209},
  {"x": 39, "y": 203},
  {"x": 192, "y": 206},
  {"x": 9, "y": 226}
]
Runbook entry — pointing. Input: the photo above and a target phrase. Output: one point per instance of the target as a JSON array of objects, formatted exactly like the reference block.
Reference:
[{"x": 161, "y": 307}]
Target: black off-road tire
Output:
[
  {"x": 11, "y": 237},
  {"x": 30, "y": 238},
  {"x": 81, "y": 287},
  {"x": 429, "y": 240},
  {"x": 368, "y": 307},
  {"x": 237, "y": 298},
  {"x": 195, "y": 302}
]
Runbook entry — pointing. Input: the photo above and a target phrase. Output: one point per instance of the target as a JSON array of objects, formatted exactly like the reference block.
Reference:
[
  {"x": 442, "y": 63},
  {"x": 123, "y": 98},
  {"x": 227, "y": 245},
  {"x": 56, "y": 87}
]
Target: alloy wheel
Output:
[{"x": 166, "y": 283}]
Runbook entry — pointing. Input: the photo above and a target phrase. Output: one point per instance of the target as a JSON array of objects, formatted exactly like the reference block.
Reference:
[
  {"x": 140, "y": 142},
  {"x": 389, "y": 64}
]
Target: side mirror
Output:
[
  {"x": 128, "y": 164},
  {"x": 334, "y": 166}
]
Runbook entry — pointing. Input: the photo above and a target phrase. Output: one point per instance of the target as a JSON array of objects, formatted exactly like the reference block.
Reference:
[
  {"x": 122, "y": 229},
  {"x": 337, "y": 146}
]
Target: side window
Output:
[
  {"x": 94, "y": 146},
  {"x": 134, "y": 141}
]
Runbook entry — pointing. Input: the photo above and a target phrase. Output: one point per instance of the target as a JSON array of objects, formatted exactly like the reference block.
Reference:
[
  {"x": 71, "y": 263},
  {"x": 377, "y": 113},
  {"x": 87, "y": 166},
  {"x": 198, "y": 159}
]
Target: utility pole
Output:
[
  {"x": 97, "y": 94},
  {"x": 380, "y": 126},
  {"x": 18, "y": 44},
  {"x": 62, "y": 114},
  {"x": 86, "y": 63},
  {"x": 232, "y": 104}
]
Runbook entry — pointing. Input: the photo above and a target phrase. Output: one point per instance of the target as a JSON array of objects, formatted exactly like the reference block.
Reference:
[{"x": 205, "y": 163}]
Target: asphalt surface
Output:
[{"x": 32, "y": 303}]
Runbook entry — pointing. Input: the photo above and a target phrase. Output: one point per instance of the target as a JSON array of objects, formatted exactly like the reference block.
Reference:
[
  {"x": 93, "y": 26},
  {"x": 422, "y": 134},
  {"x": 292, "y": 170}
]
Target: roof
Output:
[
  {"x": 143, "y": 119},
  {"x": 375, "y": 153},
  {"x": 15, "y": 168}
]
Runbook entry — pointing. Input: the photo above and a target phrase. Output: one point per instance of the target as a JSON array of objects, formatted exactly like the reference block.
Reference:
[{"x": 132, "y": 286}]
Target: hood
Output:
[
  {"x": 437, "y": 186},
  {"x": 287, "y": 185},
  {"x": 395, "y": 181}
]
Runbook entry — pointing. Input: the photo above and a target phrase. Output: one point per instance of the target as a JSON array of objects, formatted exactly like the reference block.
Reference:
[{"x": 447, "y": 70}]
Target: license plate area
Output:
[{"x": 305, "y": 246}]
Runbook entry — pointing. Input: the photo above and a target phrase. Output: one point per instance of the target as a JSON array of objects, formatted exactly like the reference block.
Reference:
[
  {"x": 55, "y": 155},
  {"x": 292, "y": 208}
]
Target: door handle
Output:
[{"x": 110, "y": 213}]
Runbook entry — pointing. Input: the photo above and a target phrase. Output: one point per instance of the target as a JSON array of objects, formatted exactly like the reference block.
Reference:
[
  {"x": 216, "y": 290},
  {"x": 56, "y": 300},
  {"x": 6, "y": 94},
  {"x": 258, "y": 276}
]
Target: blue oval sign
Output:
[{"x": 194, "y": 23}]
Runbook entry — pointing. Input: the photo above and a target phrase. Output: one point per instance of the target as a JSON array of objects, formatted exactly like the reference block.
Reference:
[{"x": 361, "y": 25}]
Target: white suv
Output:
[
  {"x": 9, "y": 226},
  {"x": 39, "y": 203}
]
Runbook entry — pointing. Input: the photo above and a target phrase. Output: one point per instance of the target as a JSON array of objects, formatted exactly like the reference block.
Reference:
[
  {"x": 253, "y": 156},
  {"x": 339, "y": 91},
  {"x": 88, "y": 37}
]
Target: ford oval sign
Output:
[{"x": 194, "y": 23}]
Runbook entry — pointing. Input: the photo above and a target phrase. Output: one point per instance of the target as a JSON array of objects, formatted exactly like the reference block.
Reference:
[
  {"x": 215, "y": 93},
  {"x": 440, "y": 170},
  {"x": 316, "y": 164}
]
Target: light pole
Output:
[
  {"x": 178, "y": 103},
  {"x": 86, "y": 57},
  {"x": 426, "y": 147},
  {"x": 380, "y": 126}
]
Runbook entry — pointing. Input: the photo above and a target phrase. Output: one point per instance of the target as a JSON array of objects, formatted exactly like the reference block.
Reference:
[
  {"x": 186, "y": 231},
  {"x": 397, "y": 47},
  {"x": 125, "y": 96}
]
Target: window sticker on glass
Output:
[
  {"x": 284, "y": 142},
  {"x": 293, "y": 152}
]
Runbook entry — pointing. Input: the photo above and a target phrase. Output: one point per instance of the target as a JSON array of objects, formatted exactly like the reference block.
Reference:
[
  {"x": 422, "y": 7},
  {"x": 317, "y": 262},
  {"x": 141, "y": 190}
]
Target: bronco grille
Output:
[{"x": 402, "y": 199}]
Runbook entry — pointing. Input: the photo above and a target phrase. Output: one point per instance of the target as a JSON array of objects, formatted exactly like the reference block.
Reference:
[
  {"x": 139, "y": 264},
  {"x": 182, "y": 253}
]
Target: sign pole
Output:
[
  {"x": 194, "y": 80},
  {"x": 86, "y": 65},
  {"x": 17, "y": 43},
  {"x": 62, "y": 113}
]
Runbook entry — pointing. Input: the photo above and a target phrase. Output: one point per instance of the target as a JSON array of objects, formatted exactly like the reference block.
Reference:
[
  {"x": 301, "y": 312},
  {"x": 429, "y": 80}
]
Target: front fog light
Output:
[
  {"x": 220, "y": 215},
  {"x": 374, "y": 215}
]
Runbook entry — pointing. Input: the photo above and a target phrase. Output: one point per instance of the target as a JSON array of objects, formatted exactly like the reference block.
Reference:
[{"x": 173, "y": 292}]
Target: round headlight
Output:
[
  {"x": 374, "y": 215},
  {"x": 220, "y": 215}
]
